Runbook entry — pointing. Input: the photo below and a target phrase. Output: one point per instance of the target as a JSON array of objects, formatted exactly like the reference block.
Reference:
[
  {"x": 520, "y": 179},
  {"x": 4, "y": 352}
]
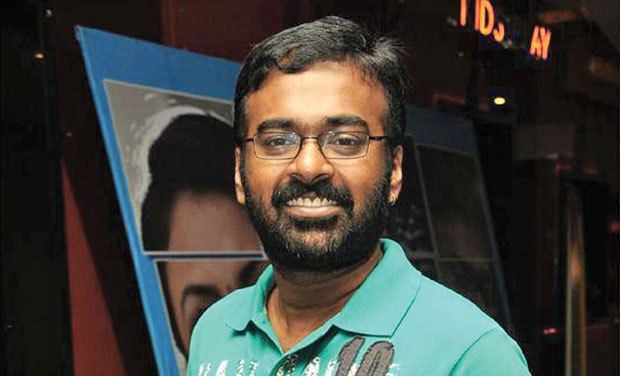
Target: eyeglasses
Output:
[{"x": 333, "y": 145}]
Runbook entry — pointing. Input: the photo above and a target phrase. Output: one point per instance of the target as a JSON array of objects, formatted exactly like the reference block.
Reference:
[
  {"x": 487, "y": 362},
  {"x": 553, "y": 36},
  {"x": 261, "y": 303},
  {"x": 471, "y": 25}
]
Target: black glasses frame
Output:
[{"x": 301, "y": 142}]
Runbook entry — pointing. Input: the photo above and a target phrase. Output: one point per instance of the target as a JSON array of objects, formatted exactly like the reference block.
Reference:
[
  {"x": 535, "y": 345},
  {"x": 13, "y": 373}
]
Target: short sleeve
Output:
[{"x": 493, "y": 353}]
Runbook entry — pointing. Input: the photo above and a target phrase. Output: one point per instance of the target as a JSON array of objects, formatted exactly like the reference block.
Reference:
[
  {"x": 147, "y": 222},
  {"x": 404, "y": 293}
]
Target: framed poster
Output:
[
  {"x": 165, "y": 115},
  {"x": 462, "y": 244}
]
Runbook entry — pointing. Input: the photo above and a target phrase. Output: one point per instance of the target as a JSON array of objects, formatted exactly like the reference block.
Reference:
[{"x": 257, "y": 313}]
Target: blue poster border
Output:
[{"x": 115, "y": 57}]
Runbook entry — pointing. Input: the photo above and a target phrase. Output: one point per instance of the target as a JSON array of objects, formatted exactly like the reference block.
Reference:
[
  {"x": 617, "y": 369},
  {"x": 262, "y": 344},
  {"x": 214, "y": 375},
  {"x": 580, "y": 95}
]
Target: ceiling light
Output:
[{"x": 499, "y": 101}]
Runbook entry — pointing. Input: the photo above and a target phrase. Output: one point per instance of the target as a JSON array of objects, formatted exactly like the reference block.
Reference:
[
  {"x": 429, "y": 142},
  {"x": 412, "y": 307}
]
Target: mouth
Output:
[
  {"x": 316, "y": 207},
  {"x": 316, "y": 202}
]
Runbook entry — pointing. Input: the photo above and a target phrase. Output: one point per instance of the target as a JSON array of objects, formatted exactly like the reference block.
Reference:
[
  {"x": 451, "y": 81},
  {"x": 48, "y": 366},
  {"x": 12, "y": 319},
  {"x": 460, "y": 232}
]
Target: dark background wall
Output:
[
  {"x": 53, "y": 153},
  {"x": 34, "y": 295}
]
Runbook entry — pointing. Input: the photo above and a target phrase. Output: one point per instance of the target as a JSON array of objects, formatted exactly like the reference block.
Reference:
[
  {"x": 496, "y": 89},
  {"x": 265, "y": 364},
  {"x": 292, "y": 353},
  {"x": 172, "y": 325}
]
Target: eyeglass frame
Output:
[{"x": 301, "y": 142}]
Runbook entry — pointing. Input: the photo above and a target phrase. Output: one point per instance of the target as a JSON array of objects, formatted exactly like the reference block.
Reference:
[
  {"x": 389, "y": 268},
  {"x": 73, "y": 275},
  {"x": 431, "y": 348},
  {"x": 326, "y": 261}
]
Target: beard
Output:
[{"x": 323, "y": 245}]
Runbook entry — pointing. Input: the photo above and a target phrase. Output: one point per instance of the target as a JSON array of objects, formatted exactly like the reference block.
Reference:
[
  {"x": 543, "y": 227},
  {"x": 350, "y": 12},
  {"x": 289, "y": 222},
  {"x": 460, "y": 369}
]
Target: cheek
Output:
[
  {"x": 361, "y": 175},
  {"x": 174, "y": 279},
  {"x": 360, "y": 181},
  {"x": 262, "y": 178}
]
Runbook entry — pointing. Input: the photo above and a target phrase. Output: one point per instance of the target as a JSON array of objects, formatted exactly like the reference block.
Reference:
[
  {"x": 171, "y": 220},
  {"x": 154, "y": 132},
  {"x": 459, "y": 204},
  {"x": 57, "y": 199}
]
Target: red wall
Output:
[
  {"x": 226, "y": 29},
  {"x": 94, "y": 344}
]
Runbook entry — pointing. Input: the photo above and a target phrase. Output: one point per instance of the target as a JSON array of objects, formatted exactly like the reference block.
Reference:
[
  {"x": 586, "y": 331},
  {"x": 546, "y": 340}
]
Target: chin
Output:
[{"x": 314, "y": 251}]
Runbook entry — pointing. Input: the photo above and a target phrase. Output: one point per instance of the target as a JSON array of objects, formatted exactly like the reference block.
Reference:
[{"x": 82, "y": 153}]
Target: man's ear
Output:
[
  {"x": 238, "y": 185},
  {"x": 396, "y": 181}
]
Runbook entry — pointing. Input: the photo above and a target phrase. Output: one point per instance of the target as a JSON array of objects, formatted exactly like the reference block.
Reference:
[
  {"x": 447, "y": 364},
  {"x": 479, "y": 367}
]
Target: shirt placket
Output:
[{"x": 286, "y": 366}]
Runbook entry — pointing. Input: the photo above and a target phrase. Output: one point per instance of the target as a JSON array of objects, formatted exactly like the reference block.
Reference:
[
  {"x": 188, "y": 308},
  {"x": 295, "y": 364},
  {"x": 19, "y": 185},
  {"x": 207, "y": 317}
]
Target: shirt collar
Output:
[
  {"x": 379, "y": 304},
  {"x": 376, "y": 307},
  {"x": 254, "y": 307}
]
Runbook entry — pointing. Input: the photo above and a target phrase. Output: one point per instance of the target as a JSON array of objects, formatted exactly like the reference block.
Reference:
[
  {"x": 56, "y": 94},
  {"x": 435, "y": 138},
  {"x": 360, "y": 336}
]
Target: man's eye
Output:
[
  {"x": 275, "y": 141},
  {"x": 346, "y": 140}
]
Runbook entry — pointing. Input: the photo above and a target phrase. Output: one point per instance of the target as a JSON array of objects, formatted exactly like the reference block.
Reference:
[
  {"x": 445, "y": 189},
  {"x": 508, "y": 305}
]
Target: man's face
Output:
[{"x": 343, "y": 229}]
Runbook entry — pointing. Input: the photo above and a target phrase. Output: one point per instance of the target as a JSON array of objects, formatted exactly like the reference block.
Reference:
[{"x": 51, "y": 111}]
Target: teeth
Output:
[{"x": 316, "y": 202}]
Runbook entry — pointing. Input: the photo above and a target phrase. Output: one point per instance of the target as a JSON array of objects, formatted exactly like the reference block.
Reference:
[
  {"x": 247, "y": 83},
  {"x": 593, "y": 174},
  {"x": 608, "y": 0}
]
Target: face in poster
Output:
[{"x": 178, "y": 161}]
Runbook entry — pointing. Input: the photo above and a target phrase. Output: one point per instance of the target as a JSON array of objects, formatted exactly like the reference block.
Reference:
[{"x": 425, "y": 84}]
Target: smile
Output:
[
  {"x": 310, "y": 203},
  {"x": 312, "y": 207}
]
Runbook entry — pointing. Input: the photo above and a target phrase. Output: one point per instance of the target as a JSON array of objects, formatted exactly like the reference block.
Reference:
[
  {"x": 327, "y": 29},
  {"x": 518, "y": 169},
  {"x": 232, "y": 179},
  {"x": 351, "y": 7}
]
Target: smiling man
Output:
[{"x": 319, "y": 123}]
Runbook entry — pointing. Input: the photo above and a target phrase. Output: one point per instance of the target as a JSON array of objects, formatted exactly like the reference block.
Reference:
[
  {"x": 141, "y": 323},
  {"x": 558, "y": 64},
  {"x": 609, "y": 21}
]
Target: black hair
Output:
[
  {"x": 328, "y": 39},
  {"x": 194, "y": 153}
]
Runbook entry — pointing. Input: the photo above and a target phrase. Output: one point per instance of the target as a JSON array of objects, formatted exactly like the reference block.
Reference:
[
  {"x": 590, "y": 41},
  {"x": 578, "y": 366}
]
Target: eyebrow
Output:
[
  {"x": 332, "y": 121},
  {"x": 344, "y": 120},
  {"x": 276, "y": 123},
  {"x": 205, "y": 290}
]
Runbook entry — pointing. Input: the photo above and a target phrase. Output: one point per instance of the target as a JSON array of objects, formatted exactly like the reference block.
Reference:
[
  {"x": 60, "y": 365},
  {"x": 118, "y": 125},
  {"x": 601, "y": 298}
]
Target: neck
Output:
[{"x": 301, "y": 302}]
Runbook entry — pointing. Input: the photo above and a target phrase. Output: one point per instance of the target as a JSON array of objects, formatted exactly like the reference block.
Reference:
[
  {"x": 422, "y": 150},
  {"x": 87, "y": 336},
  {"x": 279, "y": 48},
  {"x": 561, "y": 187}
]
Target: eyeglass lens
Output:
[{"x": 335, "y": 145}]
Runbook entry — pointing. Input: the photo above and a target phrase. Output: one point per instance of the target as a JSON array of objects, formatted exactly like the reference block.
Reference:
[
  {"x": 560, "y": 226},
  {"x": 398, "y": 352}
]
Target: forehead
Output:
[{"x": 322, "y": 91}]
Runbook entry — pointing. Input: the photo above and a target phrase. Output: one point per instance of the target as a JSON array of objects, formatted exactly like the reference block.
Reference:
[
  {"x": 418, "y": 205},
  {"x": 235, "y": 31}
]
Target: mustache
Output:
[{"x": 323, "y": 189}]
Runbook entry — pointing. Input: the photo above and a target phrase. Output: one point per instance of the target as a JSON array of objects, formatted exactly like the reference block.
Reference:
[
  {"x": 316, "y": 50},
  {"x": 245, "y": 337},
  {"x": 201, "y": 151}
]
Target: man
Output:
[
  {"x": 190, "y": 206},
  {"x": 319, "y": 118}
]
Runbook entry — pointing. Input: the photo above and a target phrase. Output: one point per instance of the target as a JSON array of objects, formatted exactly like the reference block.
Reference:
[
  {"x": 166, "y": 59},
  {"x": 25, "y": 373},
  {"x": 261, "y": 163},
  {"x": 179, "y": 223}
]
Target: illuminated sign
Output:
[
  {"x": 540, "y": 41},
  {"x": 488, "y": 22},
  {"x": 484, "y": 19}
]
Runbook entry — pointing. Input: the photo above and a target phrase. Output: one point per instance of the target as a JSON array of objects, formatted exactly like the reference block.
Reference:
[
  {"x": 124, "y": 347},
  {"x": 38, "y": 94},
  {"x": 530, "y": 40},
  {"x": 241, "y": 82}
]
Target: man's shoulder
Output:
[
  {"x": 450, "y": 331},
  {"x": 444, "y": 314},
  {"x": 440, "y": 298}
]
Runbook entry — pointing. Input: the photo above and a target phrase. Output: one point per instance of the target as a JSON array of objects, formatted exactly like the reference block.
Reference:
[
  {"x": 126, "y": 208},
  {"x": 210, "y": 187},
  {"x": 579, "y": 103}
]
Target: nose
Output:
[{"x": 310, "y": 166}]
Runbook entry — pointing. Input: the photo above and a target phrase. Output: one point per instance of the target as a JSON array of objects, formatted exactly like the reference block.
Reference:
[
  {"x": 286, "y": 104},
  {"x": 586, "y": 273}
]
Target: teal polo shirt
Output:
[{"x": 397, "y": 323}]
